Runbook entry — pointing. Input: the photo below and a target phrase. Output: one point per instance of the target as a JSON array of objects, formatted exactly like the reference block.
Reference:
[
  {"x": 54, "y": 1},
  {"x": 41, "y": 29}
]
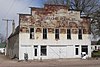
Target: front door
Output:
[
  {"x": 35, "y": 51},
  {"x": 77, "y": 51}
]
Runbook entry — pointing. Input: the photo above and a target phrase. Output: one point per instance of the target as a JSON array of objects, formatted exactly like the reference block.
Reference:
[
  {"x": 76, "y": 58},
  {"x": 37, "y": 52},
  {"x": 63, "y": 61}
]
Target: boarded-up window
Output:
[
  {"x": 38, "y": 30},
  {"x": 24, "y": 29},
  {"x": 85, "y": 31},
  {"x": 74, "y": 31},
  {"x": 63, "y": 31},
  {"x": 50, "y": 30}
]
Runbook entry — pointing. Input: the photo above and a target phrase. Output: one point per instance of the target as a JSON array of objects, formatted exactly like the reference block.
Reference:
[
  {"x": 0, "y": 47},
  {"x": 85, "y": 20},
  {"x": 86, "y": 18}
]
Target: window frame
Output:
[
  {"x": 85, "y": 48},
  {"x": 57, "y": 34},
  {"x": 45, "y": 49},
  {"x": 69, "y": 34},
  {"x": 32, "y": 36},
  {"x": 80, "y": 34},
  {"x": 45, "y": 33}
]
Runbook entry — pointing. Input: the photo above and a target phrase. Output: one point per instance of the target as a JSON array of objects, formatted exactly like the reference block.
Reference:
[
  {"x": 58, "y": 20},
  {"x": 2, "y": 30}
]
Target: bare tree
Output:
[
  {"x": 60, "y": 2},
  {"x": 95, "y": 24},
  {"x": 90, "y": 8},
  {"x": 86, "y": 6}
]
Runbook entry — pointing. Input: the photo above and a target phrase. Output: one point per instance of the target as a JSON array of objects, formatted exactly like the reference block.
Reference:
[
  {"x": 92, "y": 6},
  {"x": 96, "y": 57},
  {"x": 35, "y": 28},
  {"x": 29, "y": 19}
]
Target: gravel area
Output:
[{"x": 6, "y": 62}]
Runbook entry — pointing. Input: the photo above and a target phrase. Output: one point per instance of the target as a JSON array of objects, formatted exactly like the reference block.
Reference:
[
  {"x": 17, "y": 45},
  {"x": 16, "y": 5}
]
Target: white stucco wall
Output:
[{"x": 24, "y": 39}]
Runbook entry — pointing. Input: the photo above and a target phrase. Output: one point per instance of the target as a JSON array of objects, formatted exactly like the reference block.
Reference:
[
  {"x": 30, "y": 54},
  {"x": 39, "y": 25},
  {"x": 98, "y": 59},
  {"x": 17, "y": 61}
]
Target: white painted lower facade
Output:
[{"x": 55, "y": 49}]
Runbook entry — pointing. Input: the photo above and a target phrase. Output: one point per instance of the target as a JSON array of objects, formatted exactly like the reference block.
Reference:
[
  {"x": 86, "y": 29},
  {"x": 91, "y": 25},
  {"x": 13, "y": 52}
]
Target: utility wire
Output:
[
  {"x": 10, "y": 7},
  {"x": 13, "y": 5}
]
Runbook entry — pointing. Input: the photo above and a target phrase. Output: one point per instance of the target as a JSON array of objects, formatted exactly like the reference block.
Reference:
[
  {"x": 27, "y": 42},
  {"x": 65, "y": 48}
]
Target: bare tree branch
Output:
[{"x": 88, "y": 7}]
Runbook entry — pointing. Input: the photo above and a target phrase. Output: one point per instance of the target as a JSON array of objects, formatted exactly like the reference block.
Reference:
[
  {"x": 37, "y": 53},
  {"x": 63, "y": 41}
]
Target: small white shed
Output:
[{"x": 2, "y": 47}]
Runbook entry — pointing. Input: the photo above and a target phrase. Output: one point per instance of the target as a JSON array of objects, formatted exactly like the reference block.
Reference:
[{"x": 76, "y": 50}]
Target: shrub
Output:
[{"x": 96, "y": 53}]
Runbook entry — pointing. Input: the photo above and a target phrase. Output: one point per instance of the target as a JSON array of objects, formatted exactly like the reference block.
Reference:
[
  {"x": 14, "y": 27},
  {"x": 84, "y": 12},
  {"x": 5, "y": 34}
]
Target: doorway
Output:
[
  {"x": 77, "y": 51},
  {"x": 35, "y": 51}
]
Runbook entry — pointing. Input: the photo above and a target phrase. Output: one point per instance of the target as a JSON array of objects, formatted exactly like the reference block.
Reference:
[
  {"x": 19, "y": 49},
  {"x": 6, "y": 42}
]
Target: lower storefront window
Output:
[
  {"x": 43, "y": 50},
  {"x": 85, "y": 49}
]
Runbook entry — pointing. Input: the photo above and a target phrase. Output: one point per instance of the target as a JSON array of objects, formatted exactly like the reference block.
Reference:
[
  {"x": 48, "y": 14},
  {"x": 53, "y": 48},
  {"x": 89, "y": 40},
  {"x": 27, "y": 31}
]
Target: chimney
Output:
[{"x": 13, "y": 27}]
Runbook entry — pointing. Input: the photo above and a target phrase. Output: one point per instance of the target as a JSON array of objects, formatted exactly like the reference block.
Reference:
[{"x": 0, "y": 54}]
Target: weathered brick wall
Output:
[{"x": 53, "y": 16}]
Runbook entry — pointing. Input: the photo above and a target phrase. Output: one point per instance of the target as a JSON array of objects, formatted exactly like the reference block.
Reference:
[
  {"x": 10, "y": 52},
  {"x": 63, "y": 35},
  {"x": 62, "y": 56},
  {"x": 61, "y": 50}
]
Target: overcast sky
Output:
[{"x": 9, "y": 9}]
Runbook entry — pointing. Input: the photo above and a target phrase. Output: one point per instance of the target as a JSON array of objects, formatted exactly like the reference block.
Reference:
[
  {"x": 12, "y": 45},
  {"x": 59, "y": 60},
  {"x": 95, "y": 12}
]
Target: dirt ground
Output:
[{"x": 6, "y": 62}]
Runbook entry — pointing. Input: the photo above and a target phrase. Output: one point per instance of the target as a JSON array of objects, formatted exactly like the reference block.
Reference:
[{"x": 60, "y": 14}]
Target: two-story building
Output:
[{"x": 51, "y": 32}]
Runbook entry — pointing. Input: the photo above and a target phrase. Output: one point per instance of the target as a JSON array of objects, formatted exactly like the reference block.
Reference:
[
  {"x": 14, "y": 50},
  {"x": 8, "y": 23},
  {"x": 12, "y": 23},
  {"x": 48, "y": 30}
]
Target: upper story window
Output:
[
  {"x": 80, "y": 34},
  {"x": 44, "y": 33},
  {"x": 68, "y": 33},
  {"x": 31, "y": 33},
  {"x": 56, "y": 33}
]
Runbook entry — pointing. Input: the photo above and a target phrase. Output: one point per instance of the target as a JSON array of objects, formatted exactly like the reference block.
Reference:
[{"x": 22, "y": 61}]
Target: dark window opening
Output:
[
  {"x": 85, "y": 49},
  {"x": 44, "y": 33},
  {"x": 56, "y": 33},
  {"x": 80, "y": 34},
  {"x": 43, "y": 51},
  {"x": 68, "y": 34},
  {"x": 31, "y": 33}
]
